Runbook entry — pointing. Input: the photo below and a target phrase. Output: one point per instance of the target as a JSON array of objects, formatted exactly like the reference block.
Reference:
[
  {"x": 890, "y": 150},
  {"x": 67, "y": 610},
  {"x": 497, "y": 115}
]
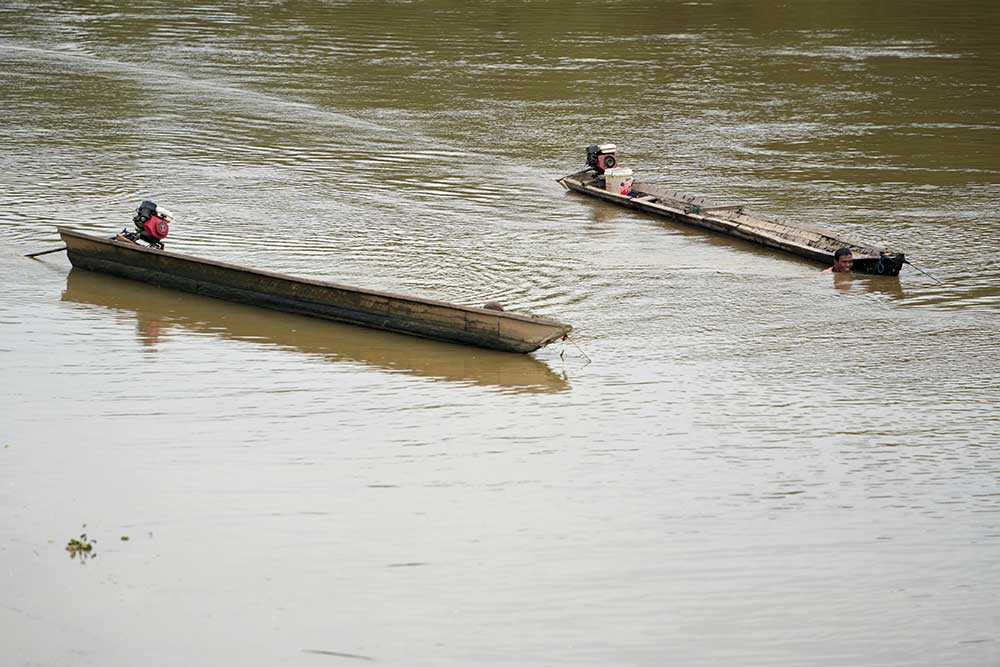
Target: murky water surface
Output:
[{"x": 737, "y": 461}]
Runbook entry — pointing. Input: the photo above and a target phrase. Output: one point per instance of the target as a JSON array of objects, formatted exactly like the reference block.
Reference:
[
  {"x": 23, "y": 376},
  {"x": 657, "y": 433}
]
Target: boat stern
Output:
[{"x": 885, "y": 264}]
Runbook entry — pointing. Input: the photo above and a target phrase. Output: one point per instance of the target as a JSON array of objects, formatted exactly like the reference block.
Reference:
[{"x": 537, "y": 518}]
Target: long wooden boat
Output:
[
  {"x": 808, "y": 241},
  {"x": 428, "y": 318}
]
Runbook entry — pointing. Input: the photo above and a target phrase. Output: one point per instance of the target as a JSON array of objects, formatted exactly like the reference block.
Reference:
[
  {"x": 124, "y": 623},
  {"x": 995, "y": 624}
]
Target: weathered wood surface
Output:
[
  {"x": 429, "y": 318},
  {"x": 803, "y": 240}
]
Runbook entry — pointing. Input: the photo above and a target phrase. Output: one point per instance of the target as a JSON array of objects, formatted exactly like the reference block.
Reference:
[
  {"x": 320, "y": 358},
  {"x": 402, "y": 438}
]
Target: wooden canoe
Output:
[
  {"x": 427, "y": 318},
  {"x": 808, "y": 241}
]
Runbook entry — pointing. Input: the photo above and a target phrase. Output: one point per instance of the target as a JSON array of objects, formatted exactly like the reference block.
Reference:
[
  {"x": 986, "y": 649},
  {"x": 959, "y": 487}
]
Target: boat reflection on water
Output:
[
  {"x": 158, "y": 311},
  {"x": 882, "y": 285}
]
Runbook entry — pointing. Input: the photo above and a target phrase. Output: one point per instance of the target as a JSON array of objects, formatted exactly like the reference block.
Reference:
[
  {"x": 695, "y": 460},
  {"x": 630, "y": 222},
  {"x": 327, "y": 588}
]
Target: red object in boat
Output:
[{"x": 156, "y": 228}]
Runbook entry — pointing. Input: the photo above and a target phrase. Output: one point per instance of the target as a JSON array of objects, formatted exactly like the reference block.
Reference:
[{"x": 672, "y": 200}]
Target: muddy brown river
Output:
[{"x": 735, "y": 460}]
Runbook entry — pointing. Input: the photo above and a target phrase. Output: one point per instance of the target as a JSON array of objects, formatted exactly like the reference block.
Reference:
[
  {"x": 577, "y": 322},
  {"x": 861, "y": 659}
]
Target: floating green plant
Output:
[{"x": 82, "y": 547}]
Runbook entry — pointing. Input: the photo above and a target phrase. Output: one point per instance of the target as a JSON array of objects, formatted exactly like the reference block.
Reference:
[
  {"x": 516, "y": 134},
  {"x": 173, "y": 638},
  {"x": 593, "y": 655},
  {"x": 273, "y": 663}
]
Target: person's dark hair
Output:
[{"x": 841, "y": 252}]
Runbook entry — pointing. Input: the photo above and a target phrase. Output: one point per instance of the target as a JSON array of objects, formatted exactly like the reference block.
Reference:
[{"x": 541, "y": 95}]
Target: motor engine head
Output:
[
  {"x": 152, "y": 223},
  {"x": 601, "y": 157}
]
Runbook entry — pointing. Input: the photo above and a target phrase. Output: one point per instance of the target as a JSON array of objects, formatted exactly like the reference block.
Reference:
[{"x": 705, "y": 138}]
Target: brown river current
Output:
[{"x": 735, "y": 460}]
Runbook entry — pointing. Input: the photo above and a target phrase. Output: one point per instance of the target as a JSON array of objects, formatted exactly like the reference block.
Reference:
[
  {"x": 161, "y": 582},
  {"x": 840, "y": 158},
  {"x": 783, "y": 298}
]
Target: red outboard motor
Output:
[
  {"x": 152, "y": 224},
  {"x": 602, "y": 157}
]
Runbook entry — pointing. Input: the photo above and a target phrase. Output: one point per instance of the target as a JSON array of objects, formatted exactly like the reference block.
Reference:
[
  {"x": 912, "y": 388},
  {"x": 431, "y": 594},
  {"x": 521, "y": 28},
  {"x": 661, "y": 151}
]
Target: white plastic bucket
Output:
[{"x": 618, "y": 180}]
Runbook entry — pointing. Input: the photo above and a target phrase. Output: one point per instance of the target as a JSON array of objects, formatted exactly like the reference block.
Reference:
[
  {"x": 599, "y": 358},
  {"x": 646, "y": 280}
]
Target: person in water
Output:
[{"x": 842, "y": 261}]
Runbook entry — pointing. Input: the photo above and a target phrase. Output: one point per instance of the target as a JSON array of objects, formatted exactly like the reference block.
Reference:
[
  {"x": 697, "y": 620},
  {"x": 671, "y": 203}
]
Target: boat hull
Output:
[
  {"x": 807, "y": 241},
  {"x": 427, "y": 318}
]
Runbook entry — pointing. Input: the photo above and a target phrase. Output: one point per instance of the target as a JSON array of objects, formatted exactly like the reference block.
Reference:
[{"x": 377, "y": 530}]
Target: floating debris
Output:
[{"x": 82, "y": 547}]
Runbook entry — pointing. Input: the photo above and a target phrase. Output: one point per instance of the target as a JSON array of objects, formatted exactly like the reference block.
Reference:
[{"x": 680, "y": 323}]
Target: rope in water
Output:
[
  {"x": 569, "y": 340},
  {"x": 906, "y": 261}
]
